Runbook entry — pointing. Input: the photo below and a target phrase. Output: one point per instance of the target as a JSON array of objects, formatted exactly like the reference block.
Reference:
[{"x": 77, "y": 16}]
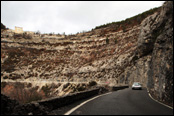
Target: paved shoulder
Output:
[{"x": 123, "y": 102}]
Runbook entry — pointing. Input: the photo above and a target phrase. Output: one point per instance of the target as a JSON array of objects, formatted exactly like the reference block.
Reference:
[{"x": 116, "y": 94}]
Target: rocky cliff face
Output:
[
  {"x": 112, "y": 55},
  {"x": 160, "y": 75},
  {"x": 153, "y": 59}
]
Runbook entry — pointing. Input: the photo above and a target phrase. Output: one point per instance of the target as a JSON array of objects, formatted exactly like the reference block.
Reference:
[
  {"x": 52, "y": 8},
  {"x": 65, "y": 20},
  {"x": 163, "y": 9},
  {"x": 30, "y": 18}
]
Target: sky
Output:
[{"x": 69, "y": 16}]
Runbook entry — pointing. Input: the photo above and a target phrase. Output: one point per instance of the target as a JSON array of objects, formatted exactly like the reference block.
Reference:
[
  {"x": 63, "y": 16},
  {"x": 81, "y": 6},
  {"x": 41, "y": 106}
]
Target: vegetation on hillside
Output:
[
  {"x": 3, "y": 26},
  {"x": 129, "y": 21}
]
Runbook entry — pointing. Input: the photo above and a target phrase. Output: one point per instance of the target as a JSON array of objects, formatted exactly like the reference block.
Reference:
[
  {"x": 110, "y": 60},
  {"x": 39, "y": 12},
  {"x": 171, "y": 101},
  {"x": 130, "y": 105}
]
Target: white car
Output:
[{"x": 136, "y": 85}]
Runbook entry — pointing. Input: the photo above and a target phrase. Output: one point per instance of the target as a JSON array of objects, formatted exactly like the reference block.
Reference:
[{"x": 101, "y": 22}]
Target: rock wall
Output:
[
  {"x": 160, "y": 76},
  {"x": 137, "y": 72},
  {"x": 152, "y": 63}
]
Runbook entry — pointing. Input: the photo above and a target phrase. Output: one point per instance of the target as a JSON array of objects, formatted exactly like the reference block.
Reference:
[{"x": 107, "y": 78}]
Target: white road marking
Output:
[
  {"x": 75, "y": 108},
  {"x": 158, "y": 101}
]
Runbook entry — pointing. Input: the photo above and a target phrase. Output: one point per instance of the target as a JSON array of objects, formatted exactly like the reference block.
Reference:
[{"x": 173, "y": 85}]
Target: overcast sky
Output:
[{"x": 69, "y": 16}]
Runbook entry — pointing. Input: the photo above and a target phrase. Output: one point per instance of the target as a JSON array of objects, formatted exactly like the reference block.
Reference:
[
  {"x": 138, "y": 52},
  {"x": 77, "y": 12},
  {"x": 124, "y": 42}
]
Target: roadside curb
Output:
[{"x": 158, "y": 101}]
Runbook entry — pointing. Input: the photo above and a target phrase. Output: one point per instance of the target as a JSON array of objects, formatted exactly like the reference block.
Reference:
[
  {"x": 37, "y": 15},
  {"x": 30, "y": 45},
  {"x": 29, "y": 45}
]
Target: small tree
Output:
[{"x": 38, "y": 32}]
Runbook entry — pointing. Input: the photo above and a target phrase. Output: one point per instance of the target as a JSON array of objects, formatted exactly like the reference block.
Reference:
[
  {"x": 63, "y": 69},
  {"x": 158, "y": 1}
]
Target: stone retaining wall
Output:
[
  {"x": 119, "y": 88},
  {"x": 57, "y": 102},
  {"x": 43, "y": 107}
]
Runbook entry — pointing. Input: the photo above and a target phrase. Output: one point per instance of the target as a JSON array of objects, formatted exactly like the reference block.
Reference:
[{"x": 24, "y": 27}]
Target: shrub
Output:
[
  {"x": 29, "y": 85},
  {"x": 115, "y": 40},
  {"x": 92, "y": 83},
  {"x": 81, "y": 87},
  {"x": 27, "y": 36},
  {"x": 18, "y": 36},
  {"x": 38, "y": 32},
  {"x": 46, "y": 90},
  {"x": 107, "y": 41}
]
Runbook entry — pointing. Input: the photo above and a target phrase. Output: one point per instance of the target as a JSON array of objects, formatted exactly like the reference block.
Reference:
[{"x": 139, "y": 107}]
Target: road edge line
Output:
[
  {"x": 158, "y": 101},
  {"x": 78, "y": 106}
]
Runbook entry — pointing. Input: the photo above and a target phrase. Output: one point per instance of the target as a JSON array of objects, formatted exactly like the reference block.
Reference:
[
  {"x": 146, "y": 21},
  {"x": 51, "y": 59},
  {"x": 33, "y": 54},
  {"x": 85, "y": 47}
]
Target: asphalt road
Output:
[{"x": 123, "y": 102}]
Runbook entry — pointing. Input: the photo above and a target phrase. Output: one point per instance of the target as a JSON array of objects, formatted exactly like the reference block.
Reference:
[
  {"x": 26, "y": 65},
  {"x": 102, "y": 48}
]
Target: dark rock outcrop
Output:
[
  {"x": 7, "y": 105},
  {"x": 12, "y": 107},
  {"x": 30, "y": 109}
]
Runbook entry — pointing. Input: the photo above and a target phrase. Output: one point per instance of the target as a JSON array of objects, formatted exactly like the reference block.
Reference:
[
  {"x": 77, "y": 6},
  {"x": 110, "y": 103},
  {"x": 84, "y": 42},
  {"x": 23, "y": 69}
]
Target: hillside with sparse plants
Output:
[{"x": 139, "y": 48}]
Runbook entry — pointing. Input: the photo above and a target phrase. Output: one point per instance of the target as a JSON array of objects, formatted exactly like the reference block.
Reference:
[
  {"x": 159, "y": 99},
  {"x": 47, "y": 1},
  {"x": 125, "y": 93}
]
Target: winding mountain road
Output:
[{"x": 123, "y": 102}]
